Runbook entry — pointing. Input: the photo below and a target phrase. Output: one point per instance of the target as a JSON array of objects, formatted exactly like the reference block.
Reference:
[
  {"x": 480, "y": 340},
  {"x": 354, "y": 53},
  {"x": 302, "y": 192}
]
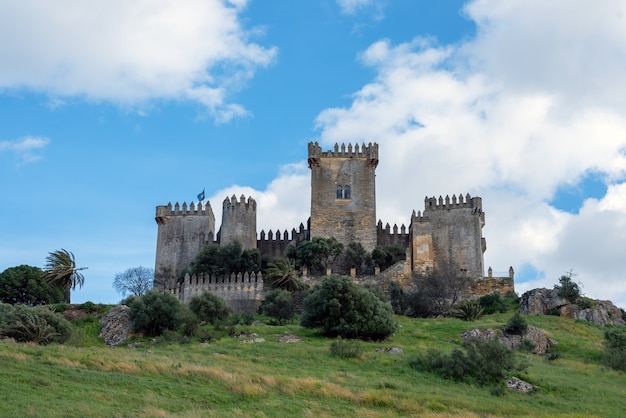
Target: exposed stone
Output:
[
  {"x": 390, "y": 350},
  {"x": 519, "y": 385},
  {"x": 116, "y": 325},
  {"x": 541, "y": 301},
  {"x": 536, "y": 336},
  {"x": 546, "y": 301}
]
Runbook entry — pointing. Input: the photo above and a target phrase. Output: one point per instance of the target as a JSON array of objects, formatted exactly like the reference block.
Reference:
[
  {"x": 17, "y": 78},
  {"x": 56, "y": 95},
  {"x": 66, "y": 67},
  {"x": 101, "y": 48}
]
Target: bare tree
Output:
[
  {"x": 444, "y": 286},
  {"x": 134, "y": 282}
]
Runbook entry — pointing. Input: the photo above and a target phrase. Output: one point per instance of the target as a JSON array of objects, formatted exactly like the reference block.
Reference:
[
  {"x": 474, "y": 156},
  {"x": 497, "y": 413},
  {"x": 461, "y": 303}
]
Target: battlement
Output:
[
  {"x": 163, "y": 212},
  {"x": 368, "y": 152},
  {"x": 432, "y": 203},
  {"x": 392, "y": 236},
  {"x": 233, "y": 203}
]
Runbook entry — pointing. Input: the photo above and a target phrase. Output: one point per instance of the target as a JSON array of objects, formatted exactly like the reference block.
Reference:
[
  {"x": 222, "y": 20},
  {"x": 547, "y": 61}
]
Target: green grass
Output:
[{"x": 229, "y": 378}]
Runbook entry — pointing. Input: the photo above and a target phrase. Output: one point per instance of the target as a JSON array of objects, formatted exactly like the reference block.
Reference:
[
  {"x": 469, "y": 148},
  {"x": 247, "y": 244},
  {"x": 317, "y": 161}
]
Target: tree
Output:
[
  {"x": 387, "y": 255},
  {"x": 317, "y": 254},
  {"x": 281, "y": 273},
  {"x": 568, "y": 288},
  {"x": 134, "y": 282},
  {"x": 340, "y": 307},
  {"x": 154, "y": 312},
  {"x": 278, "y": 304},
  {"x": 61, "y": 270},
  {"x": 223, "y": 260},
  {"x": 209, "y": 307},
  {"x": 356, "y": 255},
  {"x": 26, "y": 285},
  {"x": 443, "y": 286}
]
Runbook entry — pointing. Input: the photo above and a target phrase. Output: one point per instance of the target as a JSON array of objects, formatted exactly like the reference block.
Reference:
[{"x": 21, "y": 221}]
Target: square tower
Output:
[{"x": 343, "y": 193}]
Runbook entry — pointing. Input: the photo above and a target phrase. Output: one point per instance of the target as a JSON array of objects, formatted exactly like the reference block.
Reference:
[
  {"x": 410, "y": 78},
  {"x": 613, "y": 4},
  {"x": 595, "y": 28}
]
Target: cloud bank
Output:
[
  {"x": 131, "y": 52},
  {"x": 533, "y": 103}
]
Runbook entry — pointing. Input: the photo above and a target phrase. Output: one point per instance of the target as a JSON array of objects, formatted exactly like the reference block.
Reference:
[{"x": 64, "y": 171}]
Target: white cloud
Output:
[
  {"x": 25, "y": 148},
  {"x": 351, "y": 6},
  {"x": 131, "y": 52},
  {"x": 534, "y": 102}
]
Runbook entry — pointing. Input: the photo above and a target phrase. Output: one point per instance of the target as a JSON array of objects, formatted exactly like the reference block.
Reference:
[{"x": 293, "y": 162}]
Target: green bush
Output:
[
  {"x": 25, "y": 285},
  {"x": 615, "y": 348},
  {"x": 154, "y": 312},
  {"x": 34, "y": 324},
  {"x": 480, "y": 362},
  {"x": 340, "y": 307},
  {"x": 209, "y": 308},
  {"x": 346, "y": 348},
  {"x": 567, "y": 288},
  {"x": 493, "y": 303},
  {"x": 516, "y": 324},
  {"x": 468, "y": 310},
  {"x": 278, "y": 304}
]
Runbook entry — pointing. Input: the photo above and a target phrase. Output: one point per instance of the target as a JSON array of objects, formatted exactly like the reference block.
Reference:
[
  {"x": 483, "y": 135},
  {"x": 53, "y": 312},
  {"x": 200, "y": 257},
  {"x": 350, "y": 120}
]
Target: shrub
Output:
[
  {"x": 188, "y": 321},
  {"x": 567, "y": 288},
  {"x": 493, "y": 303},
  {"x": 468, "y": 310},
  {"x": 279, "y": 305},
  {"x": 527, "y": 346},
  {"x": 154, "y": 312},
  {"x": 516, "y": 324},
  {"x": 34, "y": 324},
  {"x": 340, "y": 307},
  {"x": 615, "y": 348},
  {"x": 480, "y": 362},
  {"x": 209, "y": 307},
  {"x": 346, "y": 349}
]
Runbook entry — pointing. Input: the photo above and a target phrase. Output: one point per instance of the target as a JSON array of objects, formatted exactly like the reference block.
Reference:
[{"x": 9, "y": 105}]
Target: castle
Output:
[{"x": 343, "y": 206}]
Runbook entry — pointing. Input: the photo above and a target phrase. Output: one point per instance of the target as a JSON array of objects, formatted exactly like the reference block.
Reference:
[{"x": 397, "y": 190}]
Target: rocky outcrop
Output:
[
  {"x": 548, "y": 302},
  {"x": 518, "y": 385},
  {"x": 539, "y": 339},
  {"x": 116, "y": 326}
]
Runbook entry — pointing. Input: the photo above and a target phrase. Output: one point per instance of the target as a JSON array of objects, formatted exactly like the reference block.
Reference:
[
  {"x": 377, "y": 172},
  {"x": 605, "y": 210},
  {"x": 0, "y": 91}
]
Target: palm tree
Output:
[
  {"x": 61, "y": 270},
  {"x": 281, "y": 274}
]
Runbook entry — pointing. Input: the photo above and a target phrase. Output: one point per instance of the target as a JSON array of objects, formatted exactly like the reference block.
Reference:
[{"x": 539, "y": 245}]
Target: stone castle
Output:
[{"x": 343, "y": 206}]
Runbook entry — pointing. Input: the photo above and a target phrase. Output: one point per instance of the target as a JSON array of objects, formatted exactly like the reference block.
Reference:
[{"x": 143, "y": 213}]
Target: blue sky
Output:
[{"x": 107, "y": 111}]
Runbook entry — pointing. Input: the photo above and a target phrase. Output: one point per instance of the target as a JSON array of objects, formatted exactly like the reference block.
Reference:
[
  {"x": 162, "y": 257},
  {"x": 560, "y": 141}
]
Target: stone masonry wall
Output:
[{"x": 182, "y": 232}]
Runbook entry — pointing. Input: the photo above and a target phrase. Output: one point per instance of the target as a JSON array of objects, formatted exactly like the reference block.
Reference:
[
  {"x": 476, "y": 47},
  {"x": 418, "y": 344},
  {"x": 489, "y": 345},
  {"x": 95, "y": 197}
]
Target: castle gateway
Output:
[{"x": 343, "y": 205}]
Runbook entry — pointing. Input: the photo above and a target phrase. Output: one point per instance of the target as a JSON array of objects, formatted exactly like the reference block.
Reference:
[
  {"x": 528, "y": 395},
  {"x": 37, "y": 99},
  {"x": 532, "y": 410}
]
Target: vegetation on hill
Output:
[{"x": 174, "y": 375}]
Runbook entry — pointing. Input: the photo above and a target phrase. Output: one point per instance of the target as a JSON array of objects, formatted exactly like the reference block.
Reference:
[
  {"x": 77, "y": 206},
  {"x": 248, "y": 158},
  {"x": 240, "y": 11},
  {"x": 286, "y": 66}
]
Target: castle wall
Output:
[
  {"x": 388, "y": 236},
  {"x": 242, "y": 292},
  {"x": 455, "y": 227},
  {"x": 275, "y": 244},
  {"x": 239, "y": 222},
  {"x": 182, "y": 233},
  {"x": 343, "y": 193}
]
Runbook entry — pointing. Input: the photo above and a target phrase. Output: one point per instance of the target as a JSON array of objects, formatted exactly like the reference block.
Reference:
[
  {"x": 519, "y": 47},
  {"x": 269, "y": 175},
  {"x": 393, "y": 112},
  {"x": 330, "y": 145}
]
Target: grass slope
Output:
[{"x": 230, "y": 378}]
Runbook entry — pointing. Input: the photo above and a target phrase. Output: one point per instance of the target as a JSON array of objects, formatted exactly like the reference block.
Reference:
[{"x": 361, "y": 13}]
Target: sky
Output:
[{"x": 110, "y": 109}]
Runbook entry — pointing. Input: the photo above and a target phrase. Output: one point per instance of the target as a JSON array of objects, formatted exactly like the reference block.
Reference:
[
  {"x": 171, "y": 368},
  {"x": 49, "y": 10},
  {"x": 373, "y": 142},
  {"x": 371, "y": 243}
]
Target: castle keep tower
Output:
[
  {"x": 449, "y": 231},
  {"x": 343, "y": 193},
  {"x": 182, "y": 233},
  {"x": 239, "y": 222}
]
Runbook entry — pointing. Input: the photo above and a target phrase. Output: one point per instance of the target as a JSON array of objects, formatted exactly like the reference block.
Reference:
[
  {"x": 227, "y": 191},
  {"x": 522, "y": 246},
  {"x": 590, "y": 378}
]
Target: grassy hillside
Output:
[{"x": 230, "y": 377}]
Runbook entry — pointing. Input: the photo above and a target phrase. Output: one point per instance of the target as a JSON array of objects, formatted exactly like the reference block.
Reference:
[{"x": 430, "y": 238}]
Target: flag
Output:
[{"x": 201, "y": 196}]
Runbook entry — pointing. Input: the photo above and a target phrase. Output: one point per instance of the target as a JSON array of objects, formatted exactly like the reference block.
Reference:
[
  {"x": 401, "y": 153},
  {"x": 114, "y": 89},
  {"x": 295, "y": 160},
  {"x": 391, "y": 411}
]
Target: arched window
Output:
[
  {"x": 339, "y": 192},
  {"x": 346, "y": 192}
]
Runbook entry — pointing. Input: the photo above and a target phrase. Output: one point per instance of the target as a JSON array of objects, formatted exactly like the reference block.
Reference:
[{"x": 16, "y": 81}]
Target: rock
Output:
[
  {"x": 116, "y": 326},
  {"x": 390, "y": 350},
  {"x": 546, "y": 301},
  {"x": 536, "y": 336},
  {"x": 541, "y": 301},
  {"x": 519, "y": 385}
]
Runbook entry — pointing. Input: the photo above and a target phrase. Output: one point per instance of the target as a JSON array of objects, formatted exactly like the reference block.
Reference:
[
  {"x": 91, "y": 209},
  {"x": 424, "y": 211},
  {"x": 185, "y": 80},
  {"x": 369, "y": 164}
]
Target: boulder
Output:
[
  {"x": 536, "y": 336},
  {"x": 518, "y": 385},
  {"x": 116, "y": 326},
  {"x": 541, "y": 301},
  {"x": 546, "y": 301}
]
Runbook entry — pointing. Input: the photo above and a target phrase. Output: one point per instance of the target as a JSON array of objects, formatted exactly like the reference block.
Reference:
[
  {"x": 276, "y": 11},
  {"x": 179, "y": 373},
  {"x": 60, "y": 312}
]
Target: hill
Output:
[{"x": 264, "y": 375}]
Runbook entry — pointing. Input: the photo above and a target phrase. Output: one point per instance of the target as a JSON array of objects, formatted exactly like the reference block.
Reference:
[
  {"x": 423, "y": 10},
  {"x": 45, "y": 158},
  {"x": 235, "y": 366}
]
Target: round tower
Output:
[{"x": 239, "y": 222}]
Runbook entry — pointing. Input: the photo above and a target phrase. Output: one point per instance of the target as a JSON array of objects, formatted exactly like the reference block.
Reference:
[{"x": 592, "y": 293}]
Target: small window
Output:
[
  {"x": 346, "y": 192},
  {"x": 339, "y": 192}
]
